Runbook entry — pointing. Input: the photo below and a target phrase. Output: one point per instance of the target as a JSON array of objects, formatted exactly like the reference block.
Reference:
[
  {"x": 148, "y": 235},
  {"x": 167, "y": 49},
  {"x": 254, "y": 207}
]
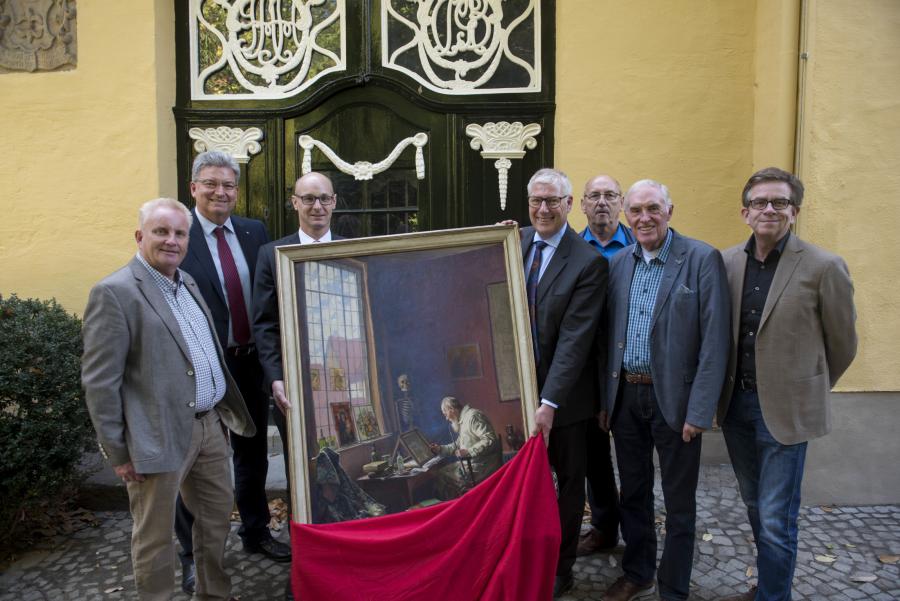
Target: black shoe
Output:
[
  {"x": 271, "y": 548},
  {"x": 563, "y": 584},
  {"x": 188, "y": 575}
]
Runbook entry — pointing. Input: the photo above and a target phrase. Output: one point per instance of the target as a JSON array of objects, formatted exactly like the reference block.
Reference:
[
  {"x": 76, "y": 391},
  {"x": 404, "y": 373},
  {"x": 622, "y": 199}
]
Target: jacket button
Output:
[
  {"x": 191, "y": 404},
  {"x": 190, "y": 372},
  {"x": 615, "y": 374},
  {"x": 621, "y": 345}
]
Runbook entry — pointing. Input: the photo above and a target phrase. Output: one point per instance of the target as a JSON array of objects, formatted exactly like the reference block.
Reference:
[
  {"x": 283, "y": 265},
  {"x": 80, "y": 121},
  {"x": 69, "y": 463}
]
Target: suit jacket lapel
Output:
[
  {"x": 786, "y": 266},
  {"x": 556, "y": 265},
  {"x": 736, "y": 268},
  {"x": 670, "y": 271},
  {"x": 201, "y": 251},
  {"x": 247, "y": 245},
  {"x": 157, "y": 302}
]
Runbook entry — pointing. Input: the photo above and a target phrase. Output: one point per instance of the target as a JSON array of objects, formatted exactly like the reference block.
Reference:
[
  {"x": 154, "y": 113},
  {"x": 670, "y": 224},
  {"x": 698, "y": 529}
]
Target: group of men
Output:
[
  {"x": 183, "y": 350},
  {"x": 648, "y": 334}
]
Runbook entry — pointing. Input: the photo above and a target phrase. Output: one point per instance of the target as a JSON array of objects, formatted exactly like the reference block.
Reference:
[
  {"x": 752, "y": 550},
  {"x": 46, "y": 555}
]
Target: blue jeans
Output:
[{"x": 769, "y": 475}]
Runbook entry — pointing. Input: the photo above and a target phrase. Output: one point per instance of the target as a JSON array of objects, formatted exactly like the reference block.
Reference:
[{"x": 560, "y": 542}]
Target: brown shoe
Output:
[
  {"x": 625, "y": 590},
  {"x": 748, "y": 596},
  {"x": 594, "y": 541}
]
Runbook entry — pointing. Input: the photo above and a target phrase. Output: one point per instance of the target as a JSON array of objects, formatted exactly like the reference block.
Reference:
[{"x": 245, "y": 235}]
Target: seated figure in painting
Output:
[
  {"x": 335, "y": 496},
  {"x": 477, "y": 447}
]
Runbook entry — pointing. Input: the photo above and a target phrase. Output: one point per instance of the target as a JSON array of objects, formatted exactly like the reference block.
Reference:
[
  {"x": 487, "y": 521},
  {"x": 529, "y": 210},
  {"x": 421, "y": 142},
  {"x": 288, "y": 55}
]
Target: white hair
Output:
[
  {"x": 151, "y": 205},
  {"x": 649, "y": 183}
]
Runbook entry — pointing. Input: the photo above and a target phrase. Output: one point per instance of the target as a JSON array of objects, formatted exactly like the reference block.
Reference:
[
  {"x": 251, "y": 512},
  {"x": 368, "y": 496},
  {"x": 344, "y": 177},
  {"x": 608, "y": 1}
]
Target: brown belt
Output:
[{"x": 633, "y": 378}]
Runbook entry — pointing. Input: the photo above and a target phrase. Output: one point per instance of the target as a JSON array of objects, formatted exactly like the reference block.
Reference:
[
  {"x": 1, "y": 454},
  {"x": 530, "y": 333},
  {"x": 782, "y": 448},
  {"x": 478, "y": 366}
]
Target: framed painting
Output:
[{"x": 397, "y": 340}]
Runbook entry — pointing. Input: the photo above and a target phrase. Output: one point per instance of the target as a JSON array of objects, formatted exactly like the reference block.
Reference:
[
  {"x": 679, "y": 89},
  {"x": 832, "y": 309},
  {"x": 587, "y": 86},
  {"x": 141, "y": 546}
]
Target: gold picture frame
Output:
[{"x": 376, "y": 308}]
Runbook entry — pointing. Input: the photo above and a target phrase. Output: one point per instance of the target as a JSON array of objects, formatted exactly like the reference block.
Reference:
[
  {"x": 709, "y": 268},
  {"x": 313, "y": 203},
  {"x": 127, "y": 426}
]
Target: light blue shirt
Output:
[{"x": 648, "y": 272}]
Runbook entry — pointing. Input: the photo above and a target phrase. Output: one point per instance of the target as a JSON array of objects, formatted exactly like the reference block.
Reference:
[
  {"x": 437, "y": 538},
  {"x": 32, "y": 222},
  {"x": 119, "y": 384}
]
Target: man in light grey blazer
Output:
[
  {"x": 667, "y": 353},
  {"x": 162, "y": 403},
  {"x": 793, "y": 336}
]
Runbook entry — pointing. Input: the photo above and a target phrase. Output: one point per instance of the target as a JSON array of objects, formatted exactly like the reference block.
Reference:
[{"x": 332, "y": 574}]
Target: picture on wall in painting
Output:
[
  {"x": 343, "y": 423},
  {"x": 395, "y": 326}
]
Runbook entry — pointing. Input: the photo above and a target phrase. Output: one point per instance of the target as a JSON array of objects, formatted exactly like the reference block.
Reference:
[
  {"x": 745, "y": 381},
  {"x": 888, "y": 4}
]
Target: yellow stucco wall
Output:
[
  {"x": 849, "y": 158},
  {"x": 664, "y": 90},
  {"x": 82, "y": 149}
]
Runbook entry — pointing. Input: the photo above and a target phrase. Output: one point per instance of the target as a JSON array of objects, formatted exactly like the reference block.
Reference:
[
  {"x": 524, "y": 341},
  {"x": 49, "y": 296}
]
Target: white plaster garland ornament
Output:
[
  {"x": 364, "y": 170},
  {"x": 239, "y": 143},
  {"x": 503, "y": 141}
]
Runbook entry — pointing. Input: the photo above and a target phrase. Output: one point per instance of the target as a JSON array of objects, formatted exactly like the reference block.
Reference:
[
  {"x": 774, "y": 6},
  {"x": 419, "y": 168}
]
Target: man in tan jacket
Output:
[{"x": 793, "y": 336}]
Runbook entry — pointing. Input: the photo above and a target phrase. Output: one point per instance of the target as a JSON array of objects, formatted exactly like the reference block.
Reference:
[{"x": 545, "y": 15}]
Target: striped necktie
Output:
[{"x": 531, "y": 284}]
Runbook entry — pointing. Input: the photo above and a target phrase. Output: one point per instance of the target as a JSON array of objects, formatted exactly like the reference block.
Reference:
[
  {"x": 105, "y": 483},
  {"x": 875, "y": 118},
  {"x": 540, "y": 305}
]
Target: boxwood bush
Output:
[{"x": 44, "y": 424}]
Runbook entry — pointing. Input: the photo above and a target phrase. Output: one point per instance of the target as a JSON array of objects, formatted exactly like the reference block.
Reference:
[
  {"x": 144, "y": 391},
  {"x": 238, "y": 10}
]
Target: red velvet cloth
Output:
[{"x": 499, "y": 541}]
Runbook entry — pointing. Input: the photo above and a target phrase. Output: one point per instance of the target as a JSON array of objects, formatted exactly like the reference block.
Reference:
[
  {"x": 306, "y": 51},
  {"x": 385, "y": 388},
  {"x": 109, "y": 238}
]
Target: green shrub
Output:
[{"x": 44, "y": 424}]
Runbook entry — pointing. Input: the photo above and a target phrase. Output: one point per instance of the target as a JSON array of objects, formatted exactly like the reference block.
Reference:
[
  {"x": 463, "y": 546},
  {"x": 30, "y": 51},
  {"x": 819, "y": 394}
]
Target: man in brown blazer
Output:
[
  {"x": 162, "y": 403},
  {"x": 793, "y": 336}
]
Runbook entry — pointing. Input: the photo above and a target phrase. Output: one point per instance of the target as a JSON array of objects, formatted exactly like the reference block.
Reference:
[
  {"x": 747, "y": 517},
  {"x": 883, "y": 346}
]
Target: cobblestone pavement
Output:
[{"x": 94, "y": 563}]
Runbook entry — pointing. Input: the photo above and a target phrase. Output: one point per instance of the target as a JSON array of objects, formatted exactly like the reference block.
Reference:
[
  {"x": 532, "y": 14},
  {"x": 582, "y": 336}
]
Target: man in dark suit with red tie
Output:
[
  {"x": 221, "y": 257},
  {"x": 566, "y": 285}
]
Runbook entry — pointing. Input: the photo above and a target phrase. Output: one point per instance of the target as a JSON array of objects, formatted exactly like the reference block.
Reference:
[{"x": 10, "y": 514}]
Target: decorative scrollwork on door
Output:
[
  {"x": 263, "y": 49},
  {"x": 464, "y": 46}
]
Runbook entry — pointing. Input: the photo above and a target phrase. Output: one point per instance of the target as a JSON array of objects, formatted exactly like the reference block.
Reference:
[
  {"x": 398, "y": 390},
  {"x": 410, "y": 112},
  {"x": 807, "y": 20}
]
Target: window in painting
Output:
[{"x": 339, "y": 355}]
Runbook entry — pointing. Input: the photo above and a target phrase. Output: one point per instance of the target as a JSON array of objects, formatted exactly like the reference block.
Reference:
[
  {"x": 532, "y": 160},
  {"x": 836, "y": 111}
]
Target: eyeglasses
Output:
[
  {"x": 213, "y": 184},
  {"x": 607, "y": 196},
  {"x": 760, "y": 204},
  {"x": 552, "y": 202},
  {"x": 326, "y": 200}
]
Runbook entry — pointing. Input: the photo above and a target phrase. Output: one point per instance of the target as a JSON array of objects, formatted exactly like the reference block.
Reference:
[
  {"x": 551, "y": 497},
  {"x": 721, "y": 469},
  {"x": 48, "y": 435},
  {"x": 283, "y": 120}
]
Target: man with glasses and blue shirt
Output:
[
  {"x": 668, "y": 309},
  {"x": 602, "y": 205},
  {"x": 793, "y": 336},
  {"x": 565, "y": 278}
]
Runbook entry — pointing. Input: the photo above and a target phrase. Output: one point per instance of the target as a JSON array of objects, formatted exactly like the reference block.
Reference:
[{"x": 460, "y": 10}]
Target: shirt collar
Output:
[
  {"x": 554, "y": 239},
  {"x": 161, "y": 280},
  {"x": 661, "y": 253},
  {"x": 750, "y": 247},
  {"x": 208, "y": 226},
  {"x": 307, "y": 239},
  {"x": 619, "y": 236}
]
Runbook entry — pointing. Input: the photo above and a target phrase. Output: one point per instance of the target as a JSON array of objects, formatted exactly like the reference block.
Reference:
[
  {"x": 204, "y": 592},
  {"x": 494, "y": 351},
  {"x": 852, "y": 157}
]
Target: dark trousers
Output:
[
  {"x": 567, "y": 458},
  {"x": 602, "y": 494},
  {"x": 250, "y": 458},
  {"x": 281, "y": 423},
  {"x": 639, "y": 427}
]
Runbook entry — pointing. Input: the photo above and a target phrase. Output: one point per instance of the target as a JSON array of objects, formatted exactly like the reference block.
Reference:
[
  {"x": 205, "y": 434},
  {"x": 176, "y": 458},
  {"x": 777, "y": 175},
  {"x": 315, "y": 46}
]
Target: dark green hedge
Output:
[{"x": 44, "y": 424}]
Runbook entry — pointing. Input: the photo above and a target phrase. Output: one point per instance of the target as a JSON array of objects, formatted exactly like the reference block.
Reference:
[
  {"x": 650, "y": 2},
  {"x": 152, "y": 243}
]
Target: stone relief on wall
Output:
[{"x": 37, "y": 35}]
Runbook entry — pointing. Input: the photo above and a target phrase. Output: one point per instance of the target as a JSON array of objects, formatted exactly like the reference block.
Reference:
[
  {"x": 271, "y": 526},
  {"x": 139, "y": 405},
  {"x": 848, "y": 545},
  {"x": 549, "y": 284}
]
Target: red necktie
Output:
[{"x": 240, "y": 325}]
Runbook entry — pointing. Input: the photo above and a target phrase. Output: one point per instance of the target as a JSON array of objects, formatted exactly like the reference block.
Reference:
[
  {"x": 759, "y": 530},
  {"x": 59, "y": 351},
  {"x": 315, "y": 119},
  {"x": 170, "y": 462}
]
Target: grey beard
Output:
[{"x": 455, "y": 425}]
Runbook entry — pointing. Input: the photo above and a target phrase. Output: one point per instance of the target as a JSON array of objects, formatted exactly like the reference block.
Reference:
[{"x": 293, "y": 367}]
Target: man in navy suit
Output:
[
  {"x": 221, "y": 258},
  {"x": 566, "y": 285},
  {"x": 669, "y": 310}
]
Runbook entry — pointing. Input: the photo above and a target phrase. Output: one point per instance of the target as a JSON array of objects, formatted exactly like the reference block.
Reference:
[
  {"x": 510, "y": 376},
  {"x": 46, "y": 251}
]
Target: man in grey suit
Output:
[
  {"x": 566, "y": 285},
  {"x": 668, "y": 350},
  {"x": 162, "y": 402},
  {"x": 793, "y": 336}
]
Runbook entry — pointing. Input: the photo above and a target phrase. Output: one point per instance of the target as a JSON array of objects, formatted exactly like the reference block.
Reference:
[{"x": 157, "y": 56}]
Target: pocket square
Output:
[{"x": 682, "y": 289}]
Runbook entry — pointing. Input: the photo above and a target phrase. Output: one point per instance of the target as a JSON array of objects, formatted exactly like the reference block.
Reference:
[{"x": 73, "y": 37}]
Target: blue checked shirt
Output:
[
  {"x": 641, "y": 300},
  {"x": 208, "y": 374}
]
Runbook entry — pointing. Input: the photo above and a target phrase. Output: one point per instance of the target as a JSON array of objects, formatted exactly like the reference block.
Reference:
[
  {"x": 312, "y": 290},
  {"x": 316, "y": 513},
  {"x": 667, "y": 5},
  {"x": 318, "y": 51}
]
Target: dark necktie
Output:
[
  {"x": 240, "y": 325},
  {"x": 531, "y": 284}
]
